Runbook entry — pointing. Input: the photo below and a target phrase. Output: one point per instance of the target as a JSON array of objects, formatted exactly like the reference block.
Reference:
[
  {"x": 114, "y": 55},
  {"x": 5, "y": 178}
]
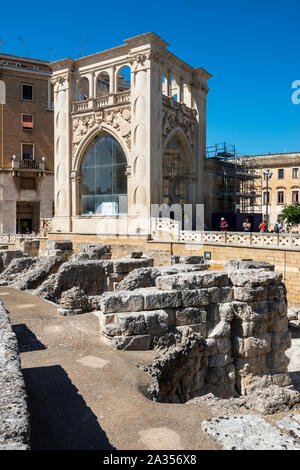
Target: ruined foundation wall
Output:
[
  {"x": 224, "y": 332},
  {"x": 14, "y": 417}
]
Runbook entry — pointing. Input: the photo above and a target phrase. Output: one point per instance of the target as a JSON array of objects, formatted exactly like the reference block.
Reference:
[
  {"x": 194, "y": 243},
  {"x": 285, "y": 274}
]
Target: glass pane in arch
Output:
[{"x": 103, "y": 187}]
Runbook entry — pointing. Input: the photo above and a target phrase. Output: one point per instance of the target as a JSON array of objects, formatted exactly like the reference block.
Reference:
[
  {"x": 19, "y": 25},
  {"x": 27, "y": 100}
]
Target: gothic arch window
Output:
[
  {"x": 176, "y": 181},
  {"x": 103, "y": 186}
]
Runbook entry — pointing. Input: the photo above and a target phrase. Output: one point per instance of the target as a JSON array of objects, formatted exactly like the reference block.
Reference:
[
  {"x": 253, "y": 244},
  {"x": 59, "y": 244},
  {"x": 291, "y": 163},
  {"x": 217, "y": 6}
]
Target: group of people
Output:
[{"x": 247, "y": 226}]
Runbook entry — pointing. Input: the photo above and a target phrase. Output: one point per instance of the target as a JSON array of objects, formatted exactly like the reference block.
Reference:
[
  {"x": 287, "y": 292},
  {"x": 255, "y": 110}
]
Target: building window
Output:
[
  {"x": 103, "y": 188},
  {"x": 27, "y": 122},
  {"x": 27, "y": 183},
  {"x": 27, "y": 151},
  {"x": 27, "y": 92},
  {"x": 295, "y": 172},
  {"x": 280, "y": 197},
  {"x": 280, "y": 173},
  {"x": 266, "y": 197},
  {"x": 295, "y": 196}
]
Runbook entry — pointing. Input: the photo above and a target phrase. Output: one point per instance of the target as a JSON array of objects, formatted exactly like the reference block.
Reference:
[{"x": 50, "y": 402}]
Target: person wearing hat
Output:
[{"x": 223, "y": 225}]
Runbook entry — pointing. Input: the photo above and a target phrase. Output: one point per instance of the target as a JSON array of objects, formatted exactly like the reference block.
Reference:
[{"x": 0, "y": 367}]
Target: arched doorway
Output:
[
  {"x": 176, "y": 179},
  {"x": 178, "y": 183},
  {"x": 103, "y": 186}
]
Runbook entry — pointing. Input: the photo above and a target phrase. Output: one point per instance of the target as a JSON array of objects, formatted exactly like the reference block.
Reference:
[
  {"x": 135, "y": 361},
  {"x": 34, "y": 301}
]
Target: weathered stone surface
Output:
[
  {"x": 234, "y": 265},
  {"x": 157, "y": 299},
  {"x": 14, "y": 417},
  {"x": 122, "y": 301},
  {"x": 253, "y": 346},
  {"x": 190, "y": 316},
  {"x": 193, "y": 280},
  {"x": 93, "y": 251},
  {"x": 130, "y": 324},
  {"x": 36, "y": 273},
  {"x": 188, "y": 259},
  {"x": 197, "y": 297},
  {"x": 132, "y": 343},
  {"x": 89, "y": 276},
  {"x": 254, "y": 277},
  {"x": 62, "y": 245},
  {"x": 248, "y": 432},
  {"x": 220, "y": 330},
  {"x": 125, "y": 265},
  {"x": 156, "y": 322},
  {"x": 74, "y": 298}
]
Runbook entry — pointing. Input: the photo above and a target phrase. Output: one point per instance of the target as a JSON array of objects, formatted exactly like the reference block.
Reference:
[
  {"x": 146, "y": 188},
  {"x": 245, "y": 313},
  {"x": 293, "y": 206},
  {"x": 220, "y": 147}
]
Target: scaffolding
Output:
[{"x": 241, "y": 188}]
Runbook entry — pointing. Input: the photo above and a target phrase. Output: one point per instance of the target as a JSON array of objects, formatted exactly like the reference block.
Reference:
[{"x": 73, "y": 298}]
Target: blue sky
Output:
[{"x": 250, "y": 47}]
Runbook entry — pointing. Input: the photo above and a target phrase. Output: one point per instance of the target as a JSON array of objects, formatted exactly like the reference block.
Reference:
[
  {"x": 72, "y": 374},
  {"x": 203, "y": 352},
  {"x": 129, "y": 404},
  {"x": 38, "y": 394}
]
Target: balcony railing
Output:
[
  {"x": 94, "y": 104},
  {"x": 28, "y": 164}
]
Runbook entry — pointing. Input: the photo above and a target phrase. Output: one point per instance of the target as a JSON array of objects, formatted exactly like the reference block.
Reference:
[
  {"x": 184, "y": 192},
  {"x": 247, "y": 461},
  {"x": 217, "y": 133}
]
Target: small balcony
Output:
[{"x": 21, "y": 166}]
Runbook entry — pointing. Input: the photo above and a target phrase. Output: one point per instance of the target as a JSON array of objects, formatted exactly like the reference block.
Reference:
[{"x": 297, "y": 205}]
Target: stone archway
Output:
[{"x": 177, "y": 172}]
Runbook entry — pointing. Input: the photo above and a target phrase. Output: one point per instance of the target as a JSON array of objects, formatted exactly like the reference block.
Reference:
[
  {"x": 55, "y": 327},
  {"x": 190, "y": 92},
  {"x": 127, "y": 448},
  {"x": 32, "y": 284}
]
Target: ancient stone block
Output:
[
  {"x": 234, "y": 265},
  {"x": 197, "y": 297},
  {"x": 249, "y": 294},
  {"x": 121, "y": 301},
  {"x": 220, "y": 330},
  {"x": 189, "y": 316},
  {"x": 254, "y": 277},
  {"x": 132, "y": 343},
  {"x": 157, "y": 299},
  {"x": 156, "y": 322},
  {"x": 131, "y": 323},
  {"x": 193, "y": 280},
  {"x": 125, "y": 265},
  {"x": 253, "y": 346}
]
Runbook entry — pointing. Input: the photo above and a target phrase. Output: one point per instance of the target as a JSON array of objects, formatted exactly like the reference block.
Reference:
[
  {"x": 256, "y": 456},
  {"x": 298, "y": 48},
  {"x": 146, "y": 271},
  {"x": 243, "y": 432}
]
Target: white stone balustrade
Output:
[{"x": 93, "y": 104}]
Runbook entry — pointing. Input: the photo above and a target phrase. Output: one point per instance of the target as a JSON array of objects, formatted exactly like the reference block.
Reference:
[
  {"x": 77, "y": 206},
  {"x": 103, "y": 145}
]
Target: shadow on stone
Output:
[
  {"x": 59, "y": 417},
  {"x": 295, "y": 377},
  {"x": 27, "y": 341}
]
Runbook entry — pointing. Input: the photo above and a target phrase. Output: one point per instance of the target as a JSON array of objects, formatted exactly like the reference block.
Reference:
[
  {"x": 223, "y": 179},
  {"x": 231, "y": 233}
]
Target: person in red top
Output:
[
  {"x": 263, "y": 226},
  {"x": 223, "y": 225}
]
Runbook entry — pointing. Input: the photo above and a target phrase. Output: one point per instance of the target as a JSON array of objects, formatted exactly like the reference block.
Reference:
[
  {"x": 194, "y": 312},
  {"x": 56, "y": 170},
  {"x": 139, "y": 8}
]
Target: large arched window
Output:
[{"x": 103, "y": 187}]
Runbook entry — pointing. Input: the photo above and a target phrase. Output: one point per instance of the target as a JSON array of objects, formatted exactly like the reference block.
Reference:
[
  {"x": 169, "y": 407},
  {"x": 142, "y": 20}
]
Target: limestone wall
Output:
[{"x": 14, "y": 418}]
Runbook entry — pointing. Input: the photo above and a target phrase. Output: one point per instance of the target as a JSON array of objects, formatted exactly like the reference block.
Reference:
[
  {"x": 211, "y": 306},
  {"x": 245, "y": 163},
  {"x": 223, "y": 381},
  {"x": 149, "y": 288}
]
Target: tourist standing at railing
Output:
[
  {"x": 223, "y": 225},
  {"x": 278, "y": 226},
  {"x": 247, "y": 226},
  {"x": 263, "y": 227}
]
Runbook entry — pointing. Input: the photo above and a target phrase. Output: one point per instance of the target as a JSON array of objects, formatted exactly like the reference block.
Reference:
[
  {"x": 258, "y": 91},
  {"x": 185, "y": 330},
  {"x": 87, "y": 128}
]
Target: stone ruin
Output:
[
  {"x": 219, "y": 335},
  {"x": 235, "y": 350}
]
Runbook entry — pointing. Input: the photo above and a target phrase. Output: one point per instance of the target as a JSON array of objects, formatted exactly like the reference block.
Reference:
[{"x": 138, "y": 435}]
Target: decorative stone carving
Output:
[
  {"x": 118, "y": 119},
  {"x": 171, "y": 120}
]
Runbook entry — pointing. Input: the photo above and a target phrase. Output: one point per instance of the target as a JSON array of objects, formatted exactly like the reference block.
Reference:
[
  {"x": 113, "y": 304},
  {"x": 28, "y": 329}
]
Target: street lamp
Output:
[{"x": 268, "y": 175}]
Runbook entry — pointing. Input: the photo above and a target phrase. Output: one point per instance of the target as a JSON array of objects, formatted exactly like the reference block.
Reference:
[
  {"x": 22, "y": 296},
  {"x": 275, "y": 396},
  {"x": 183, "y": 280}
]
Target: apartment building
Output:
[
  {"x": 283, "y": 182},
  {"x": 26, "y": 144}
]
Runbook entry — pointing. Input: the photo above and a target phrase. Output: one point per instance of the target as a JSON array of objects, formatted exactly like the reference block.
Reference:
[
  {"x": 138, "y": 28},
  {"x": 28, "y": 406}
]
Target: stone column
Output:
[
  {"x": 199, "y": 92},
  {"x": 146, "y": 112},
  {"x": 62, "y": 151}
]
